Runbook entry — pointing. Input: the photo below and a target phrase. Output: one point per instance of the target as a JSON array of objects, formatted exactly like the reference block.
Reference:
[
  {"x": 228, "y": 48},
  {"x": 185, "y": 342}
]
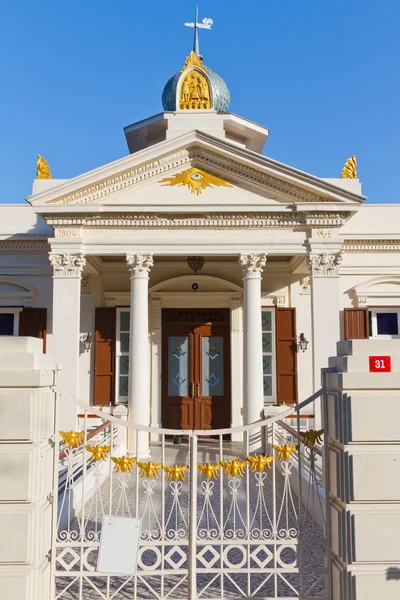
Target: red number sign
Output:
[{"x": 380, "y": 364}]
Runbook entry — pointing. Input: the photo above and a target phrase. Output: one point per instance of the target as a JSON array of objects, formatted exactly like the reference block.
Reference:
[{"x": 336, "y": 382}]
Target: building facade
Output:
[{"x": 184, "y": 280}]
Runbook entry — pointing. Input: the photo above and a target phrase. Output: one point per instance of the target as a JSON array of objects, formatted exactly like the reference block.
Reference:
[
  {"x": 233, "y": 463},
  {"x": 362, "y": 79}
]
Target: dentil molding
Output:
[
  {"x": 252, "y": 264},
  {"x": 139, "y": 264},
  {"x": 324, "y": 264},
  {"x": 67, "y": 265}
]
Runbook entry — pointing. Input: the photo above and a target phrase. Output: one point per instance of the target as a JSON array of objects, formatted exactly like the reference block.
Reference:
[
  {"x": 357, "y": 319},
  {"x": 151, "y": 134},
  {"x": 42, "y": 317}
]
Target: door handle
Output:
[
  {"x": 192, "y": 390},
  {"x": 198, "y": 390}
]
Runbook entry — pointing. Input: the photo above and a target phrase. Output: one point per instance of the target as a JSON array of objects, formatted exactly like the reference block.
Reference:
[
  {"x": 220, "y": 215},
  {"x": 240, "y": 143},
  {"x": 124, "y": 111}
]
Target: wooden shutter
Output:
[
  {"x": 33, "y": 323},
  {"x": 356, "y": 326},
  {"x": 104, "y": 356},
  {"x": 286, "y": 356}
]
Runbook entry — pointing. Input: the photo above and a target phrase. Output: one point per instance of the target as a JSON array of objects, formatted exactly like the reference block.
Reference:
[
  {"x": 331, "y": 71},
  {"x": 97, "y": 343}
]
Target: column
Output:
[
  {"x": 325, "y": 309},
  {"x": 67, "y": 273},
  {"x": 139, "y": 363},
  {"x": 252, "y": 337}
]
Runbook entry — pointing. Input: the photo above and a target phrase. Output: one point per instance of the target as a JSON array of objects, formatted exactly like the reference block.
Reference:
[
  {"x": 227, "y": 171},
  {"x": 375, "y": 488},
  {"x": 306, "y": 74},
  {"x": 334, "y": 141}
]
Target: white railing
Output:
[{"x": 220, "y": 519}]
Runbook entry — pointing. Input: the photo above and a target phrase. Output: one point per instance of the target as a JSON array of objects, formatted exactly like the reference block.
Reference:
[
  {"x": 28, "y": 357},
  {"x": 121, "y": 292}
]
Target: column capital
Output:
[
  {"x": 67, "y": 265},
  {"x": 139, "y": 265},
  {"x": 324, "y": 264},
  {"x": 252, "y": 264}
]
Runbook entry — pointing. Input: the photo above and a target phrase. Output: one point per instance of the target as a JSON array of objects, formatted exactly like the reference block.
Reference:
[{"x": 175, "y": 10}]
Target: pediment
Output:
[{"x": 140, "y": 181}]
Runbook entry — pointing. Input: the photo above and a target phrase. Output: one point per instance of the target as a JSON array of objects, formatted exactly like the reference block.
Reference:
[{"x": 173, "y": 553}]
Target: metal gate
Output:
[{"x": 220, "y": 518}]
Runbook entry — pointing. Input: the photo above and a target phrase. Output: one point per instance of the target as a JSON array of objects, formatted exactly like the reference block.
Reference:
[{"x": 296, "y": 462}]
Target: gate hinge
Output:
[
  {"x": 48, "y": 555},
  {"x": 52, "y": 442},
  {"x": 50, "y": 498}
]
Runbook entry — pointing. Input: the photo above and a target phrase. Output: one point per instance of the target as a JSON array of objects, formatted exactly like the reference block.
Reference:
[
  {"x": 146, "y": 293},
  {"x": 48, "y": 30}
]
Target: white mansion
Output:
[{"x": 185, "y": 279}]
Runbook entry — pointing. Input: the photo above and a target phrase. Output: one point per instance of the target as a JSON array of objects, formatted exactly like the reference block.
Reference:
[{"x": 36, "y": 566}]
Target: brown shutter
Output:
[
  {"x": 104, "y": 356},
  {"x": 356, "y": 326},
  {"x": 286, "y": 356},
  {"x": 33, "y": 323}
]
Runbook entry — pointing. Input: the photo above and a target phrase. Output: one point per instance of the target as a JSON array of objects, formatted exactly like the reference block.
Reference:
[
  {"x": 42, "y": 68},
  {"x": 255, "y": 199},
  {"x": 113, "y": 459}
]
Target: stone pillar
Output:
[
  {"x": 139, "y": 363},
  {"x": 67, "y": 269},
  {"x": 324, "y": 271},
  {"x": 27, "y": 403},
  {"x": 252, "y": 341},
  {"x": 362, "y": 425}
]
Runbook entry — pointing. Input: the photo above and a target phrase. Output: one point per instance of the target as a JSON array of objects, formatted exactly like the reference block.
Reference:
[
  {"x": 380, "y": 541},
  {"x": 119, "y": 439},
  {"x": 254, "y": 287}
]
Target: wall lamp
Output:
[
  {"x": 302, "y": 343},
  {"x": 87, "y": 341}
]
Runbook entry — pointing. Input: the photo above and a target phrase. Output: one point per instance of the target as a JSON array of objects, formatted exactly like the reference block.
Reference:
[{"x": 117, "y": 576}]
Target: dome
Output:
[{"x": 219, "y": 97}]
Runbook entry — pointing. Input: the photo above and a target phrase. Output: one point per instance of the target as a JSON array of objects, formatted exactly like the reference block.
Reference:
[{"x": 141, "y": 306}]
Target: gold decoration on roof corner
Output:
[
  {"x": 194, "y": 60},
  {"x": 259, "y": 462},
  {"x": 234, "y": 468},
  {"x": 194, "y": 93},
  {"x": 311, "y": 437},
  {"x": 98, "y": 452},
  {"x": 124, "y": 463},
  {"x": 149, "y": 469},
  {"x": 285, "y": 452},
  {"x": 209, "y": 471},
  {"x": 175, "y": 472},
  {"x": 42, "y": 168},
  {"x": 196, "y": 180},
  {"x": 349, "y": 170},
  {"x": 72, "y": 438}
]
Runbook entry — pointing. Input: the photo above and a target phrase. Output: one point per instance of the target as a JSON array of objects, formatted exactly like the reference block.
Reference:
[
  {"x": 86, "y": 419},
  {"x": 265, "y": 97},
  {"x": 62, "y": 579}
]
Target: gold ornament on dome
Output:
[
  {"x": 98, "y": 452},
  {"x": 209, "y": 471},
  {"x": 259, "y": 462},
  {"x": 311, "y": 437},
  {"x": 124, "y": 463},
  {"x": 176, "y": 472},
  {"x": 196, "y": 180},
  {"x": 42, "y": 168},
  {"x": 285, "y": 452},
  {"x": 349, "y": 170},
  {"x": 234, "y": 468},
  {"x": 194, "y": 91},
  {"x": 149, "y": 469},
  {"x": 193, "y": 60},
  {"x": 72, "y": 438}
]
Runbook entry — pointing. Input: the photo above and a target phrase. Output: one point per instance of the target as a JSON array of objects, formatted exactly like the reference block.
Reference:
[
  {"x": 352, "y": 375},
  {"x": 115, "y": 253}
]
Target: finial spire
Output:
[{"x": 205, "y": 24}]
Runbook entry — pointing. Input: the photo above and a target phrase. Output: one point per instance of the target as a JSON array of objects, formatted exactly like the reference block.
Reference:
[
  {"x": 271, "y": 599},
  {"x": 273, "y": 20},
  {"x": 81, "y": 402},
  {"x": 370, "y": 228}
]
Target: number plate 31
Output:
[{"x": 380, "y": 364}]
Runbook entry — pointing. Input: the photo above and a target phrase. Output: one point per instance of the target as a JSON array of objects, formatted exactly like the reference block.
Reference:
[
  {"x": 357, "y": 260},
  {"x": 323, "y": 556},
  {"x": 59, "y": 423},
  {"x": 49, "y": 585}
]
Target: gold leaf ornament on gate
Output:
[
  {"x": 209, "y": 471},
  {"x": 123, "y": 463},
  {"x": 149, "y": 469},
  {"x": 234, "y": 468},
  {"x": 196, "y": 180},
  {"x": 98, "y": 452},
  {"x": 176, "y": 472},
  {"x": 311, "y": 437},
  {"x": 285, "y": 451},
  {"x": 72, "y": 438},
  {"x": 258, "y": 462}
]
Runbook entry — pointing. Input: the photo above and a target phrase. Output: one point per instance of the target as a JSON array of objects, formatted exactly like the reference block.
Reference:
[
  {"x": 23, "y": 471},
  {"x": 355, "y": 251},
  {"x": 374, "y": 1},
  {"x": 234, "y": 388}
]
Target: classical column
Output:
[
  {"x": 67, "y": 273},
  {"x": 252, "y": 342},
  {"x": 139, "y": 364},
  {"x": 324, "y": 271}
]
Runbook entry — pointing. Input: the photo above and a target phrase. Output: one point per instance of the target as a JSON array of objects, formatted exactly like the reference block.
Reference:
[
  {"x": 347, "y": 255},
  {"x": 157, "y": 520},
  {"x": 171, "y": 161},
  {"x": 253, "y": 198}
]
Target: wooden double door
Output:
[{"x": 196, "y": 375}]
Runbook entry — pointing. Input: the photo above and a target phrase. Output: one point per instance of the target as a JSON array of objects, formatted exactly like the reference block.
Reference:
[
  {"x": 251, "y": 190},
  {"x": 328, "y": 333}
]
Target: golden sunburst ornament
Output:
[
  {"x": 176, "y": 472},
  {"x": 234, "y": 468},
  {"x": 149, "y": 469},
  {"x": 312, "y": 437},
  {"x": 72, "y": 438},
  {"x": 285, "y": 452},
  {"x": 259, "y": 462},
  {"x": 196, "y": 180},
  {"x": 98, "y": 452},
  {"x": 123, "y": 463},
  {"x": 209, "y": 471}
]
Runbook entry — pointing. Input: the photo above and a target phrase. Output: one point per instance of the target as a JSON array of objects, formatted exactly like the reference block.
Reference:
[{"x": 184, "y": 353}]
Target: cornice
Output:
[{"x": 24, "y": 246}]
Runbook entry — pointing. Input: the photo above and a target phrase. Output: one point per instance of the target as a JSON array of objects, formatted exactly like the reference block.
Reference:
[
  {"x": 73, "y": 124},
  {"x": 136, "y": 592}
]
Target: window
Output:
[
  {"x": 9, "y": 321},
  {"x": 122, "y": 354},
  {"x": 269, "y": 355},
  {"x": 384, "y": 322}
]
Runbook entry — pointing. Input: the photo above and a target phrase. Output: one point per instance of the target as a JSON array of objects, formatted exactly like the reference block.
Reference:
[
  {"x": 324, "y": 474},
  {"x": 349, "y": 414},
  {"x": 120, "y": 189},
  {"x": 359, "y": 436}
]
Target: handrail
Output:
[{"x": 197, "y": 432}]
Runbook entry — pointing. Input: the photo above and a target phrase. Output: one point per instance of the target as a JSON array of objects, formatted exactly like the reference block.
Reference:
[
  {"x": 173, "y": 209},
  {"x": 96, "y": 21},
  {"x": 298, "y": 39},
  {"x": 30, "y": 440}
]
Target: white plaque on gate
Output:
[{"x": 119, "y": 545}]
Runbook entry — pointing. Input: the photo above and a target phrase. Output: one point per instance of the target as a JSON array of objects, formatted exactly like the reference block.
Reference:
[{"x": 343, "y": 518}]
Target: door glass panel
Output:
[
  {"x": 6, "y": 324},
  {"x": 387, "y": 323},
  {"x": 124, "y": 365},
  {"x": 268, "y": 350},
  {"x": 178, "y": 365},
  {"x": 213, "y": 366},
  {"x": 122, "y": 354}
]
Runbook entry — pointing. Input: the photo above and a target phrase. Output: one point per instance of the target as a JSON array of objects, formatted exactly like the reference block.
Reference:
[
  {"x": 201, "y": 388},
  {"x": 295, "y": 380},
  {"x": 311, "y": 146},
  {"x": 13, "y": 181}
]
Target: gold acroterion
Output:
[
  {"x": 349, "y": 170},
  {"x": 285, "y": 452},
  {"x": 209, "y": 471},
  {"x": 176, "y": 472},
  {"x": 98, "y": 452},
  {"x": 196, "y": 180},
  {"x": 311, "y": 437},
  {"x": 42, "y": 168},
  {"x": 193, "y": 60},
  {"x": 123, "y": 463},
  {"x": 259, "y": 462},
  {"x": 194, "y": 91},
  {"x": 234, "y": 468},
  {"x": 72, "y": 438},
  {"x": 149, "y": 469}
]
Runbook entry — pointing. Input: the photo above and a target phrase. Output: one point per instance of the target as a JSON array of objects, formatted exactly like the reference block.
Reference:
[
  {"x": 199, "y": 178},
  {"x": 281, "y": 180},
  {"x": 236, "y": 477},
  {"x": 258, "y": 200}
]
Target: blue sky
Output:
[{"x": 323, "y": 76}]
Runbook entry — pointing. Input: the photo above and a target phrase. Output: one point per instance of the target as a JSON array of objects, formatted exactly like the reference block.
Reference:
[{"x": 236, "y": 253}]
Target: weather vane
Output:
[{"x": 205, "y": 24}]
